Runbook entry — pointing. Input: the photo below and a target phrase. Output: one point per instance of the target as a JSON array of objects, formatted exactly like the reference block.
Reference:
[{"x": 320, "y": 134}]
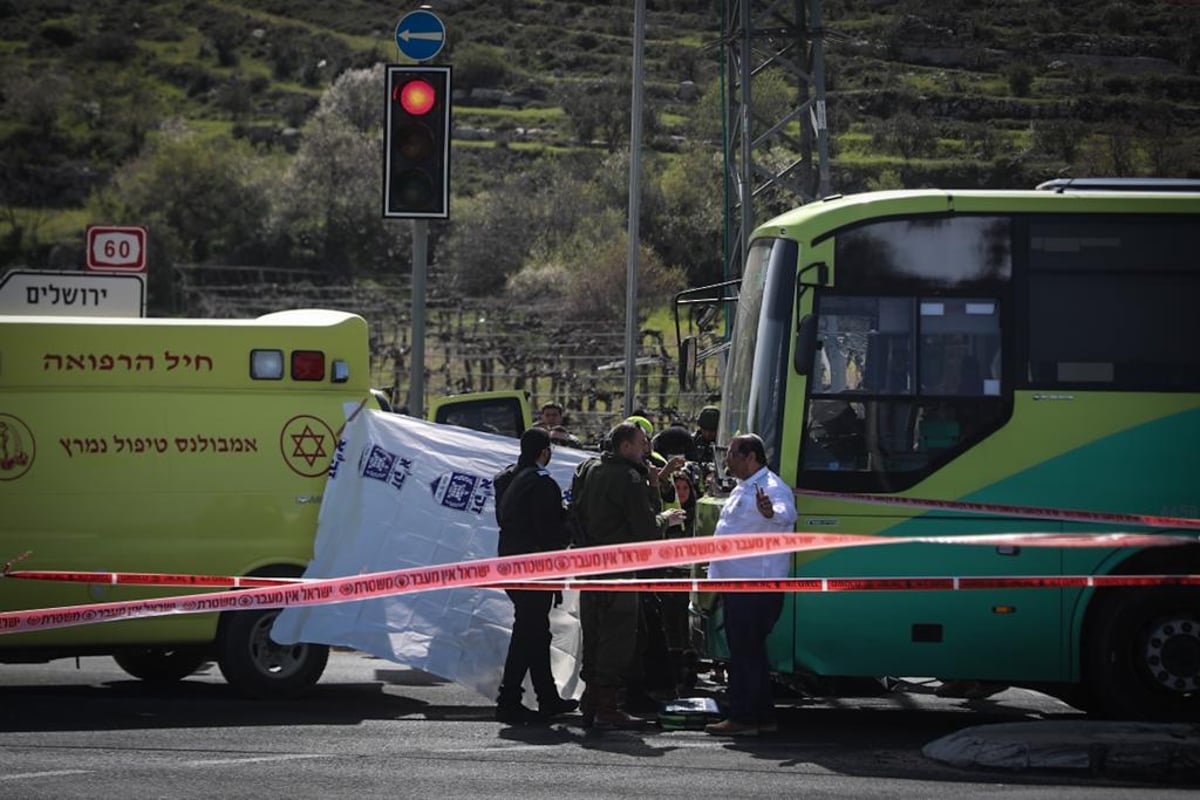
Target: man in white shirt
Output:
[{"x": 760, "y": 503}]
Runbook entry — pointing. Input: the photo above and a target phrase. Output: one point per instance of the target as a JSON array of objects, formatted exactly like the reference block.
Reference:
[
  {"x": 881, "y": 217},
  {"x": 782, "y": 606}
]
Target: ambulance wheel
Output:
[
  {"x": 257, "y": 666},
  {"x": 161, "y": 664},
  {"x": 1143, "y": 654}
]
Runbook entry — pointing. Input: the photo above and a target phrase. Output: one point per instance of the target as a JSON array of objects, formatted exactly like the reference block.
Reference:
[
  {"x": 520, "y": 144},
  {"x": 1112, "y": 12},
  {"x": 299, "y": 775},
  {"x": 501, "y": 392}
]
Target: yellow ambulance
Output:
[{"x": 172, "y": 446}]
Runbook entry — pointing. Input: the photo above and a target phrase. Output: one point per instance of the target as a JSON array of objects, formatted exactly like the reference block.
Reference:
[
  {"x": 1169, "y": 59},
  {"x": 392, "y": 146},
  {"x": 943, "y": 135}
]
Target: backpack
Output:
[{"x": 575, "y": 510}]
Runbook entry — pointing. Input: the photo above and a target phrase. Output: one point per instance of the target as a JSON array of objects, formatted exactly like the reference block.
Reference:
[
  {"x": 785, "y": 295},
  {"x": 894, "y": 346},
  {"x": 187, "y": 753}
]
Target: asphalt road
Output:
[{"x": 376, "y": 729}]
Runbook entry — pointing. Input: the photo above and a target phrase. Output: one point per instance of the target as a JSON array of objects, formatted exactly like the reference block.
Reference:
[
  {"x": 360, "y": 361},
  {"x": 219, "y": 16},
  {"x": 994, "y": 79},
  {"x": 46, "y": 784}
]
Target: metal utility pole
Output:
[
  {"x": 785, "y": 35},
  {"x": 420, "y": 268},
  {"x": 635, "y": 205}
]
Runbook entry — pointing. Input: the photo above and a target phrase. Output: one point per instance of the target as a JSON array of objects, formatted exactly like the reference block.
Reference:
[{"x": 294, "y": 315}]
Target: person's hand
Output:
[
  {"x": 675, "y": 516},
  {"x": 763, "y": 502},
  {"x": 658, "y": 474},
  {"x": 674, "y": 465}
]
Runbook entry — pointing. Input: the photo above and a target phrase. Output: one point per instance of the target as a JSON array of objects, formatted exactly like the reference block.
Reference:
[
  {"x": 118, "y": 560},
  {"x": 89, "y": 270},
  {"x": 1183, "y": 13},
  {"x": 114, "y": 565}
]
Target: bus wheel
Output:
[
  {"x": 257, "y": 666},
  {"x": 161, "y": 664},
  {"x": 1143, "y": 659}
]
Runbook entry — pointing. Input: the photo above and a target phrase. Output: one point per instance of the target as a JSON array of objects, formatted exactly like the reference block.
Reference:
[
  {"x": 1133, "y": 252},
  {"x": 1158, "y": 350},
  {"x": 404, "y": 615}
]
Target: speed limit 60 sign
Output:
[{"x": 116, "y": 249}]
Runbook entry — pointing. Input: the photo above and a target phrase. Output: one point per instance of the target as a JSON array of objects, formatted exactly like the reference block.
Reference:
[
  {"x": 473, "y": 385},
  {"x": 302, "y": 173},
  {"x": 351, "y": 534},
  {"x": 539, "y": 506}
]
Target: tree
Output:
[
  {"x": 37, "y": 102},
  {"x": 480, "y": 65},
  {"x": 491, "y": 235},
  {"x": 356, "y": 98},
  {"x": 588, "y": 272},
  {"x": 1059, "y": 137},
  {"x": 202, "y": 201},
  {"x": 772, "y": 94},
  {"x": 327, "y": 208},
  {"x": 1020, "y": 79},
  {"x": 598, "y": 110},
  {"x": 907, "y": 134},
  {"x": 687, "y": 231},
  {"x": 494, "y": 234},
  {"x": 886, "y": 179}
]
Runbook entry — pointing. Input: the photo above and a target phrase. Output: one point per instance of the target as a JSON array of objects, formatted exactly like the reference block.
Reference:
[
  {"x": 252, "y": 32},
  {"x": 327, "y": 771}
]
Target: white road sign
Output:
[
  {"x": 72, "y": 294},
  {"x": 116, "y": 249}
]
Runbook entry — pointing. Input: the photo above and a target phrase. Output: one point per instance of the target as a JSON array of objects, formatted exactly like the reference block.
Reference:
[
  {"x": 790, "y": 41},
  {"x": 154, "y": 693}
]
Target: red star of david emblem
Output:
[{"x": 311, "y": 452}]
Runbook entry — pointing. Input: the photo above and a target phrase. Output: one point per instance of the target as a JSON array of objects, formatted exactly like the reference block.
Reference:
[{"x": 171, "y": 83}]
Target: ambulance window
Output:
[{"x": 266, "y": 365}]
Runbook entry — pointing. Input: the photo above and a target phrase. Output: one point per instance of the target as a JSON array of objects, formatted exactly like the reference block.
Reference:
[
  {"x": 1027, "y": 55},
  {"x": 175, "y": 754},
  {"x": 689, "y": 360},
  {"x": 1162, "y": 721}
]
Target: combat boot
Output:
[{"x": 607, "y": 714}]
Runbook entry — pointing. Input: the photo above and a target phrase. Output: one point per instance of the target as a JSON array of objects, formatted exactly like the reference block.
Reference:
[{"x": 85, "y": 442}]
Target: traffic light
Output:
[{"x": 416, "y": 158}]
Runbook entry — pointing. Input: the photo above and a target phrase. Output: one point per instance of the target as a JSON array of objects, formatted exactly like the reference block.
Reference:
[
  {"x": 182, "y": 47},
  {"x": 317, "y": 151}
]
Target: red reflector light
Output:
[
  {"x": 308, "y": 365},
  {"x": 417, "y": 97}
]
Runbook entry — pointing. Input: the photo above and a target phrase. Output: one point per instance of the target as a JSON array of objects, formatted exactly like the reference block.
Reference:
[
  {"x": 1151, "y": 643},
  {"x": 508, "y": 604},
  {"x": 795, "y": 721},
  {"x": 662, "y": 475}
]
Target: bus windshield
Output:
[{"x": 756, "y": 371}]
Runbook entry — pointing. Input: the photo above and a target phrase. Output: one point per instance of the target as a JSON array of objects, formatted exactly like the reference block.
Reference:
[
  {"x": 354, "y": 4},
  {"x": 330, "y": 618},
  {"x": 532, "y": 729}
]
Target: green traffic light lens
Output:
[{"x": 413, "y": 189}]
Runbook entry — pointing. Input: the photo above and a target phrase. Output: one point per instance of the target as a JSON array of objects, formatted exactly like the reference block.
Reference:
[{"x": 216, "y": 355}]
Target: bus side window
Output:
[
  {"x": 836, "y": 438},
  {"x": 938, "y": 428}
]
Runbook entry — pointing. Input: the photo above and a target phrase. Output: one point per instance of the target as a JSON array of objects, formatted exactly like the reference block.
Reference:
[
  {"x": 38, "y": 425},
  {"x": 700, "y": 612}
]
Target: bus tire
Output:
[
  {"x": 1142, "y": 655},
  {"x": 257, "y": 666},
  {"x": 161, "y": 664}
]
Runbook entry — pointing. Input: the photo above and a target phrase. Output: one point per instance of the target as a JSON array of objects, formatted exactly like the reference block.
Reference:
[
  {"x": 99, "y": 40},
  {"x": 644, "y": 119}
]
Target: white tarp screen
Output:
[{"x": 408, "y": 493}]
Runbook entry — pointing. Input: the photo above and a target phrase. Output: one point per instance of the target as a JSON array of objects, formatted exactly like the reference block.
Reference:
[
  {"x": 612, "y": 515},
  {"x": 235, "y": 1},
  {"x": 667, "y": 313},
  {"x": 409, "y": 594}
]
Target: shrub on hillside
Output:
[
  {"x": 905, "y": 134},
  {"x": 491, "y": 235},
  {"x": 116, "y": 48},
  {"x": 1117, "y": 18},
  {"x": 598, "y": 110},
  {"x": 1020, "y": 79},
  {"x": 58, "y": 34},
  {"x": 1060, "y": 138},
  {"x": 590, "y": 270},
  {"x": 886, "y": 179},
  {"x": 480, "y": 66}
]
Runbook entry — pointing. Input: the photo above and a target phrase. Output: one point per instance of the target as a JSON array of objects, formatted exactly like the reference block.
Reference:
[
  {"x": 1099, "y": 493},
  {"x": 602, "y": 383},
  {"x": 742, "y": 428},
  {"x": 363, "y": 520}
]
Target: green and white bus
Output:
[{"x": 1025, "y": 348}]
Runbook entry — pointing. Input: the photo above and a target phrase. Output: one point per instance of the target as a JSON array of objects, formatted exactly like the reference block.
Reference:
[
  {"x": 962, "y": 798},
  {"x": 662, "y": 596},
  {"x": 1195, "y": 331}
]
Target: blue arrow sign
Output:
[{"x": 420, "y": 35}]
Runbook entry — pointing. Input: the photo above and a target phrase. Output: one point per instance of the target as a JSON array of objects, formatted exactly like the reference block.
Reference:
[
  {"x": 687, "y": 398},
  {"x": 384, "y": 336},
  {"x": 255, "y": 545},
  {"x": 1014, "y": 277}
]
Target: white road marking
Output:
[
  {"x": 251, "y": 760},
  {"x": 48, "y": 774}
]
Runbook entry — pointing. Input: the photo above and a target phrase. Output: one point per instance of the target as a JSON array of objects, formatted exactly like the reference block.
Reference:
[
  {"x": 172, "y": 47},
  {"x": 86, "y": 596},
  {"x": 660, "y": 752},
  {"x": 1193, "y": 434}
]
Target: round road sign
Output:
[{"x": 420, "y": 35}]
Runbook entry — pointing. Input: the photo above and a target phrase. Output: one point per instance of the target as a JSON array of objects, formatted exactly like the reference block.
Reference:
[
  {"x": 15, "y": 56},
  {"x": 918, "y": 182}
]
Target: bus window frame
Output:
[{"x": 1004, "y": 294}]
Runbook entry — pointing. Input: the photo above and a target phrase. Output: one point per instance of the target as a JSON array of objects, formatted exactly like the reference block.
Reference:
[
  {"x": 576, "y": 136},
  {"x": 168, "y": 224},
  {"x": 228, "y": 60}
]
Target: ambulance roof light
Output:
[
  {"x": 308, "y": 365},
  {"x": 266, "y": 365}
]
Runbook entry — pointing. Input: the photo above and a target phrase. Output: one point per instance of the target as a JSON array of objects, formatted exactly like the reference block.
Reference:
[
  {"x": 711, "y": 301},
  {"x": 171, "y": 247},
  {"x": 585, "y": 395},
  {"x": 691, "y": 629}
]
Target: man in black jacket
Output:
[{"x": 530, "y": 513}]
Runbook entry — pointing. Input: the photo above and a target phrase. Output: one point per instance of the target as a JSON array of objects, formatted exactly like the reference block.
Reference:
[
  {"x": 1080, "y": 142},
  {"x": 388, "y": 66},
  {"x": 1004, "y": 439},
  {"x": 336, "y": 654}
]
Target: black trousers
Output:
[
  {"x": 749, "y": 618},
  {"x": 529, "y": 648}
]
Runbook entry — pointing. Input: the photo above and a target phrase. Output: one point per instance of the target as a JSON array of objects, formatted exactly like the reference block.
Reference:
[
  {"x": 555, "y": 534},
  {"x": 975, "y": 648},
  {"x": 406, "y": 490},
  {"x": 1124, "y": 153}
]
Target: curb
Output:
[{"x": 1150, "y": 751}]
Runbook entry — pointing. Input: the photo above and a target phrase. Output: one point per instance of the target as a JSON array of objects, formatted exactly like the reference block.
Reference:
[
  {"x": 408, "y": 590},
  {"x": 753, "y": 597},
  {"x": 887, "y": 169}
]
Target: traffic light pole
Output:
[
  {"x": 635, "y": 197},
  {"x": 416, "y": 382}
]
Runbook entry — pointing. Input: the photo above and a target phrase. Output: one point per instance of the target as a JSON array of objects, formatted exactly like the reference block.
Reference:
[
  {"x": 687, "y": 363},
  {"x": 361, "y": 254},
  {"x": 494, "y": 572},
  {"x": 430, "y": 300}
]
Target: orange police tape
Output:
[
  {"x": 150, "y": 578},
  {"x": 872, "y": 584},
  {"x": 863, "y": 584},
  {"x": 492, "y": 571},
  {"x": 1032, "y": 512}
]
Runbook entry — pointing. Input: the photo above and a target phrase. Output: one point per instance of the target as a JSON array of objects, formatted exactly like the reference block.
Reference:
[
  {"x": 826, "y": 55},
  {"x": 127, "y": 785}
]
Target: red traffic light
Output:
[
  {"x": 417, "y": 97},
  {"x": 416, "y": 168}
]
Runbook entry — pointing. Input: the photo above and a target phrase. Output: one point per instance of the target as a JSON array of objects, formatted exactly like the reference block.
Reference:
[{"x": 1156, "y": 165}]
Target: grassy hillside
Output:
[
  {"x": 950, "y": 93},
  {"x": 958, "y": 93}
]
